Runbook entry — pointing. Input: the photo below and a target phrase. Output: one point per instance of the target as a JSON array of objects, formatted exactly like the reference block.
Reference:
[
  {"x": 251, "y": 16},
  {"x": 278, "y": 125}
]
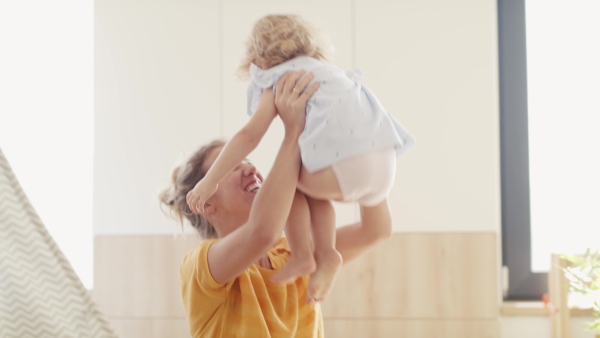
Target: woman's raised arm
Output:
[{"x": 232, "y": 255}]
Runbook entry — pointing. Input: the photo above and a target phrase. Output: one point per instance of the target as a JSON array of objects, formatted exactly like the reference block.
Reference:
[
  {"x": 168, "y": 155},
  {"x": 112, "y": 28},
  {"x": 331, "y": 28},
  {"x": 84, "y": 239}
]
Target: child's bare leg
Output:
[
  {"x": 329, "y": 260},
  {"x": 321, "y": 187},
  {"x": 298, "y": 232},
  {"x": 376, "y": 221},
  {"x": 375, "y": 226}
]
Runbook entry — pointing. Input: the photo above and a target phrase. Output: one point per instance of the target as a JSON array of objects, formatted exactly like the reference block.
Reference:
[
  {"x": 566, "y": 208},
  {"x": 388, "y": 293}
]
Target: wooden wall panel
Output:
[
  {"x": 414, "y": 285},
  {"x": 372, "y": 328},
  {"x": 428, "y": 275},
  {"x": 138, "y": 276},
  {"x": 150, "y": 327}
]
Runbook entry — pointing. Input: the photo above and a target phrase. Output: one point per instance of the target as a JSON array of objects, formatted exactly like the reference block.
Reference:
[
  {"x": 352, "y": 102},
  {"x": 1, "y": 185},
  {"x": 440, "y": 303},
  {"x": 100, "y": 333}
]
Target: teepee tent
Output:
[{"x": 40, "y": 294}]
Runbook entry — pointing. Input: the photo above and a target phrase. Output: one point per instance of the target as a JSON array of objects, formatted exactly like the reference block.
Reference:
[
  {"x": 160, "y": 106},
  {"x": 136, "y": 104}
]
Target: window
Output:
[
  {"x": 550, "y": 113},
  {"x": 46, "y": 116}
]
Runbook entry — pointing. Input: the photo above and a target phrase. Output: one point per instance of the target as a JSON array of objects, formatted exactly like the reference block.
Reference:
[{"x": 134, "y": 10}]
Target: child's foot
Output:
[
  {"x": 295, "y": 267},
  {"x": 328, "y": 266}
]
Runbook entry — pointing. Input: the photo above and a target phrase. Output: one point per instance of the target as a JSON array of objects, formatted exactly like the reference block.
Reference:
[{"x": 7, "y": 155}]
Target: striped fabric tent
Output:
[{"x": 40, "y": 294}]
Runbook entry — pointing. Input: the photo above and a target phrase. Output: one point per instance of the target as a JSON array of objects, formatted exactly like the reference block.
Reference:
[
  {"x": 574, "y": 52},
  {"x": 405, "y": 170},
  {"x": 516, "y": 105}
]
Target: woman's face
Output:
[{"x": 237, "y": 190}]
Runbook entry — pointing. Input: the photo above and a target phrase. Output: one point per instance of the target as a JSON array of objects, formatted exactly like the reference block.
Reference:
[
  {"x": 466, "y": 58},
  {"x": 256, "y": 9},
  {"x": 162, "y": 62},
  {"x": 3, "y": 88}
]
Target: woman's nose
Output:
[{"x": 249, "y": 170}]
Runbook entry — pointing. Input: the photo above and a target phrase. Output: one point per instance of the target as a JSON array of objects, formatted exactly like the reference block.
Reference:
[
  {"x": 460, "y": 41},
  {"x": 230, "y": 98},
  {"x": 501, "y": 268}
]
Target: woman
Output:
[{"x": 225, "y": 281}]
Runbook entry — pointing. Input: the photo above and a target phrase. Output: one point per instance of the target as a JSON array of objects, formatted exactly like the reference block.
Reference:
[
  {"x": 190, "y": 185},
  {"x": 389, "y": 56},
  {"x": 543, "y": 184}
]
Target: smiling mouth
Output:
[{"x": 253, "y": 187}]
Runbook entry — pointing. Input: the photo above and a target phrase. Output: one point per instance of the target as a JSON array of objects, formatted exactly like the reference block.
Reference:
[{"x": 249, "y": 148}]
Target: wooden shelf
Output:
[
  {"x": 516, "y": 308},
  {"x": 522, "y": 308}
]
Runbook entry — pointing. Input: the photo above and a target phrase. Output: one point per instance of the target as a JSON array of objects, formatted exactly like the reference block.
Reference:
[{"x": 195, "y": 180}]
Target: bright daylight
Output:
[
  {"x": 563, "y": 77},
  {"x": 46, "y": 116}
]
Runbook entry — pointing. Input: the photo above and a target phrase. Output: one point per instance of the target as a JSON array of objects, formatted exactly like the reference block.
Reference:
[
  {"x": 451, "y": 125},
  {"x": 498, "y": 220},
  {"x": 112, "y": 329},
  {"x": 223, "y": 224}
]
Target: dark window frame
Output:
[{"x": 514, "y": 155}]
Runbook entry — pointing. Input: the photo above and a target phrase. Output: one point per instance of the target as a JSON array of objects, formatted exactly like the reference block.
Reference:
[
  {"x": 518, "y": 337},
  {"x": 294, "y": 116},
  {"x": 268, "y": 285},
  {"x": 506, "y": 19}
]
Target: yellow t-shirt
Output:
[{"x": 249, "y": 306}]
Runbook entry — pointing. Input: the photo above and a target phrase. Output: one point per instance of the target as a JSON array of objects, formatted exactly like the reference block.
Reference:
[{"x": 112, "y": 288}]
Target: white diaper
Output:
[{"x": 367, "y": 179}]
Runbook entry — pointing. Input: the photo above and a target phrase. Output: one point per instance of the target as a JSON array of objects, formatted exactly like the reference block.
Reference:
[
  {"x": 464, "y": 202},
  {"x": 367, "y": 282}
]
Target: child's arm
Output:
[{"x": 235, "y": 151}]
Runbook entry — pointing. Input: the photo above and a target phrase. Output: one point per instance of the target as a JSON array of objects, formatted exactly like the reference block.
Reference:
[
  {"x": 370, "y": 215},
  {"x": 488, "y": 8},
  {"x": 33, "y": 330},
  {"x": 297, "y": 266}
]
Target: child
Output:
[{"x": 348, "y": 148}]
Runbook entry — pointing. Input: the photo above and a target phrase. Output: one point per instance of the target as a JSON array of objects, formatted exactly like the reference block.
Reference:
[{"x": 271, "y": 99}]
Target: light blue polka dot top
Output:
[{"x": 343, "y": 118}]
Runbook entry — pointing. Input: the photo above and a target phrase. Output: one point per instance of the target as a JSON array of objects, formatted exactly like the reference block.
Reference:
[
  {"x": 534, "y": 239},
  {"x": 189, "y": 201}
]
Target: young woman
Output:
[{"x": 225, "y": 281}]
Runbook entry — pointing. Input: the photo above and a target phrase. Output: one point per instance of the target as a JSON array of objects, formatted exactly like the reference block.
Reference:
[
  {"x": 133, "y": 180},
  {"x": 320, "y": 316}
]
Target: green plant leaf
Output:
[{"x": 583, "y": 275}]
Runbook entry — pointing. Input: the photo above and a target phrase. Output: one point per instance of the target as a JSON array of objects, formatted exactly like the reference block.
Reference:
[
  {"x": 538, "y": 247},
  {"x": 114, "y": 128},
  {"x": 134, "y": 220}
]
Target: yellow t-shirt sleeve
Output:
[
  {"x": 201, "y": 295},
  {"x": 204, "y": 276},
  {"x": 195, "y": 269}
]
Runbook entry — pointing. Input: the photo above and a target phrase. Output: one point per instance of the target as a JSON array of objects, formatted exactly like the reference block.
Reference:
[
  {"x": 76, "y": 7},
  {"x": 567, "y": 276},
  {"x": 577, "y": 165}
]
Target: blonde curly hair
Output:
[{"x": 279, "y": 38}]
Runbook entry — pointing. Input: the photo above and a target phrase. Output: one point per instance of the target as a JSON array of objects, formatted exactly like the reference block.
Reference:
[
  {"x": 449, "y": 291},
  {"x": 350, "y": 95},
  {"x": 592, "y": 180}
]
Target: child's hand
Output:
[{"x": 199, "y": 195}]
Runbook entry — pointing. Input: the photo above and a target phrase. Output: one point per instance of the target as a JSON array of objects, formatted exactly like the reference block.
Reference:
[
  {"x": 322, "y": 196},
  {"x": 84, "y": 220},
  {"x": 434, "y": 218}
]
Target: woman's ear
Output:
[{"x": 209, "y": 208}]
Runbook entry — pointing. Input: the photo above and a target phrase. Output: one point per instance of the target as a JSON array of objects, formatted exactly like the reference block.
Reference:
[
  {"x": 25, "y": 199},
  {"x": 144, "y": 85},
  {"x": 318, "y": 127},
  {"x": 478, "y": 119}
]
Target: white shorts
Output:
[{"x": 367, "y": 179}]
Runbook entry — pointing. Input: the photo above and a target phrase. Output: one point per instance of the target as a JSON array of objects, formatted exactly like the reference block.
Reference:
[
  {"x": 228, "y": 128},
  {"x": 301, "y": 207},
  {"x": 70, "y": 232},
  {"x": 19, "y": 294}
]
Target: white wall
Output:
[
  {"x": 165, "y": 85},
  {"x": 157, "y": 95}
]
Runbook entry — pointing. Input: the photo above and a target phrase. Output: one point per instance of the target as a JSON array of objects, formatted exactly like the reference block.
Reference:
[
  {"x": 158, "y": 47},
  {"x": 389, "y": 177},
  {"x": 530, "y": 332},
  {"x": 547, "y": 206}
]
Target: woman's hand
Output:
[{"x": 291, "y": 95}]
